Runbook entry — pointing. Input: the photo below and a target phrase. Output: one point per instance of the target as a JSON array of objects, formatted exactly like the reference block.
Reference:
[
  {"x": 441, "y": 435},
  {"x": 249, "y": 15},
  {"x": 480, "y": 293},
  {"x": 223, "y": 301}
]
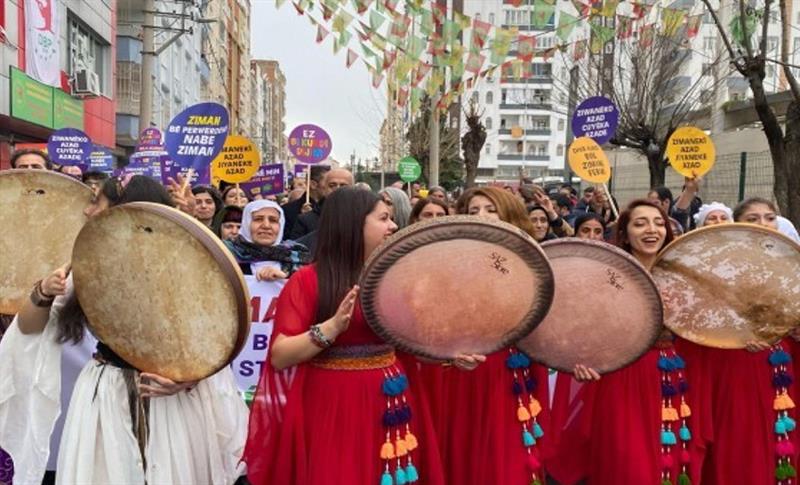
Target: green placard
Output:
[
  {"x": 409, "y": 169},
  {"x": 31, "y": 100},
  {"x": 67, "y": 111}
]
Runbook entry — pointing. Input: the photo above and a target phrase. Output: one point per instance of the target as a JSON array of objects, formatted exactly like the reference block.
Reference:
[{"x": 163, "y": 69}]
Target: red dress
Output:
[
  {"x": 325, "y": 422},
  {"x": 735, "y": 391},
  {"x": 475, "y": 414},
  {"x": 633, "y": 426}
]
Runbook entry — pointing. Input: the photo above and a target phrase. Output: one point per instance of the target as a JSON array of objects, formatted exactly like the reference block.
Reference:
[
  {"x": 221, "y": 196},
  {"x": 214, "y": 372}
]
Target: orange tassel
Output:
[
  {"x": 387, "y": 451},
  {"x": 783, "y": 402},
  {"x": 400, "y": 446},
  {"x": 523, "y": 414},
  {"x": 669, "y": 414},
  {"x": 535, "y": 408},
  {"x": 411, "y": 441},
  {"x": 686, "y": 411}
]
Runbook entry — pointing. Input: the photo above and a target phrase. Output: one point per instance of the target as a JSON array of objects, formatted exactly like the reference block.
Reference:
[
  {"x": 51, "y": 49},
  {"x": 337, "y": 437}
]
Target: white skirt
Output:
[{"x": 195, "y": 437}]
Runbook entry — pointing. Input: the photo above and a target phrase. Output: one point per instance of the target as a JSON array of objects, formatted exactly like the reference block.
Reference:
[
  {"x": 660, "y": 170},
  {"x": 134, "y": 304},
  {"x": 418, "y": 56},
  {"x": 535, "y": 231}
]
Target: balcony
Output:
[
  {"x": 530, "y": 28},
  {"x": 518, "y": 157},
  {"x": 541, "y": 106},
  {"x": 537, "y": 132},
  {"x": 530, "y": 80}
]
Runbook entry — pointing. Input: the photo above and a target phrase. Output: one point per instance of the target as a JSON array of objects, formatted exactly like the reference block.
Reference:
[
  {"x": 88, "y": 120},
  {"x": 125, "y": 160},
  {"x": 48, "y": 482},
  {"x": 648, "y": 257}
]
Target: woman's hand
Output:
[
  {"x": 756, "y": 346},
  {"x": 270, "y": 273},
  {"x": 56, "y": 283},
  {"x": 306, "y": 208},
  {"x": 468, "y": 361},
  {"x": 182, "y": 195},
  {"x": 154, "y": 385},
  {"x": 546, "y": 203},
  {"x": 581, "y": 373},
  {"x": 341, "y": 320}
]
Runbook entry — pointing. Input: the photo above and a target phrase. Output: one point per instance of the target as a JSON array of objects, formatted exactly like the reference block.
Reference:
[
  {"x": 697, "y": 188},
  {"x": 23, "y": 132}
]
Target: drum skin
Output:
[
  {"x": 456, "y": 285},
  {"x": 161, "y": 291},
  {"x": 726, "y": 285},
  {"x": 606, "y": 311},
  {"x": 42, "y": 213}
]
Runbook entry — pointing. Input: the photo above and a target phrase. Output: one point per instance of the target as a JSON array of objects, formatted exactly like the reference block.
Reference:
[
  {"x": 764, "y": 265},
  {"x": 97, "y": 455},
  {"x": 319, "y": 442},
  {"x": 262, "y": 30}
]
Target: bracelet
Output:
[
  {"x": 318, "y": 338},
  {"x": 39, "y": 299}
]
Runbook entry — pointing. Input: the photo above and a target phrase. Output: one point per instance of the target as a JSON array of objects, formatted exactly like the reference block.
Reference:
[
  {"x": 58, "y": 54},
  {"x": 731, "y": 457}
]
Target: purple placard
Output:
[
  {"x": 141, "y": 164},
  {"x": 69, "y": 146},
  {"x": 310, "y": 144},
  {"x": 597, "y": 118},
  {"x": 197, "y": 135},
  {"x": 169, "y": 169},
  {"x": 150, "y": 139},
  {"x": 101, "y": 159},
  {"x": 299, "y": 170},
  {"x": 269, "y": 180}
]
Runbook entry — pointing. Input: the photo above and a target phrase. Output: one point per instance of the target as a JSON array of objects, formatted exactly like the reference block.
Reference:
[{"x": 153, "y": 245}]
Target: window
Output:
[
  {"x": 488, "y": 123},
  {"x": 560, "y": 150},
  {"x": 477, "y": 16},
  {"x": 770, "y": 70},
  {"x": 544, "y": 42},
  {"x": 709, "y": 44},
  {"x": 488, "y": 149},
  {"x": 772, "y": 45},
  {"x": 561, "y": 125},
  {"x": 87, "y": 52},
  {"x": 489, "y": 97},
  {"x": 491, "y": 18},
  {"x": 475, "y": 97},
  {"x": 517, "y": 17}
]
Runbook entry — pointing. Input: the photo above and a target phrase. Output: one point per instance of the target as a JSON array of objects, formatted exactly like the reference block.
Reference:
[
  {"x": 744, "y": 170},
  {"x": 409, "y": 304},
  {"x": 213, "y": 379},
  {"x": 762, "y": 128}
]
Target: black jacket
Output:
[{"x": 292, "y": 210}]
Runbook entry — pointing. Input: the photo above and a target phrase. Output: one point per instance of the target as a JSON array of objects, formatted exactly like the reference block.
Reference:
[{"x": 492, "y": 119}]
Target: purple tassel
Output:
[
  {"x": 683, "y": 386},
  {"x": 781, "y": 379},
  {"x": 668, "y": 390},
  {"x": 390, "y": 418},
  {"x": 516, "y": 388},
  {"x": 530, "y": 384}
]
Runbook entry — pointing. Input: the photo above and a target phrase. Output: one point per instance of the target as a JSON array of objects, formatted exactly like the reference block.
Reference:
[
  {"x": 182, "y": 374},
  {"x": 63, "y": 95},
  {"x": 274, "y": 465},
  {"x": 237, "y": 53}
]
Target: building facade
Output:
[
  {"x": 85, "y": 34},
  {"x": 180, "y": 72},
  {"x": 393, "y": 143},
  {"x": 276, "y": 110},
  {"x": 524, "y": 118}
]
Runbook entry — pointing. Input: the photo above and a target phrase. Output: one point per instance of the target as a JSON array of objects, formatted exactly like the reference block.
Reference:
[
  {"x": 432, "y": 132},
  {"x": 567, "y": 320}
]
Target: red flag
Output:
[
  {"x": 422, "y": 70},
  {"x": 351, "y": 57},
  {"x": 693, "y": 26},
  {"x": 402, "y": 96},
  {"x": 388, "y": 58},
  {"x": 327, "y": 13},
  {"x": 646, "y": 34},
  {"x": 624, "y": 27},
  {"x": 321, "y": 33},
  {"x": 376, "y": 79},
  {"x": 439, "y": 12},
  {"x": 526, "y": 46}
]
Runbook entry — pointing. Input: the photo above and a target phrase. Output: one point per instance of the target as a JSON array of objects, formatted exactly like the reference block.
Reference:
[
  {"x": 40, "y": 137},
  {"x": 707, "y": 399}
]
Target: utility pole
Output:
[
  {"x": 433, "y": 149},
  {"x": 148, "y": 58}
]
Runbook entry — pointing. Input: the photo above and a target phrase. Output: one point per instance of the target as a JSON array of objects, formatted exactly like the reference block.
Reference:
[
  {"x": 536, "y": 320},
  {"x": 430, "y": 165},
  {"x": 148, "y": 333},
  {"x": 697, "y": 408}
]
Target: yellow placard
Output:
[
  {"x": 516, "y": 132},
  {"x": 237, "y": 162},
  {"x": 588, "y": 161},
  {"x": 423, "y": 193},
  {"x": 690, "y": 151}
]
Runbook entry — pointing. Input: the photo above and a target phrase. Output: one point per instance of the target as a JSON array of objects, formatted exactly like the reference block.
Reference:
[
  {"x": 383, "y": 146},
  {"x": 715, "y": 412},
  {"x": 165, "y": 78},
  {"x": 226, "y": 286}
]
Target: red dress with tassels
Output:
[
  {"x": 489, "y": 421},
  {"x": 344, "y": 417},
  {"x": 745, "y": 399},
  {"x": 633, "y": 426}
]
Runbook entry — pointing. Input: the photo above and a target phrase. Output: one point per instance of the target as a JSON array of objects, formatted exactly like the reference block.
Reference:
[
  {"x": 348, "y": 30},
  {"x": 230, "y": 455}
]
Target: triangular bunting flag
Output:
[
  {"x": 542, "y": 14},
  {"x": 351, "y": 57},
  {"x": 671, "y": 20},
  {"x": 322, "y": 33},
  {"x": 566, "y": 24},
  {"x": 526, "y": 46}
]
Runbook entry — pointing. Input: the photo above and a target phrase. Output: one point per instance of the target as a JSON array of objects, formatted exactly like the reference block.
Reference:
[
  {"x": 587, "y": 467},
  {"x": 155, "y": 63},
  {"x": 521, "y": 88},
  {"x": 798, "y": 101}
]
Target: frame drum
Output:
[
  {"x": 161, "y": 290},
  {"x": 456, "y": 285}
]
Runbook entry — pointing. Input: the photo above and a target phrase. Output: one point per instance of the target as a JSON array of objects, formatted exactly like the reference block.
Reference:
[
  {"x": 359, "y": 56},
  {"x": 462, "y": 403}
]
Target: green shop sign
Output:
[{"x": 42, "y": 104}]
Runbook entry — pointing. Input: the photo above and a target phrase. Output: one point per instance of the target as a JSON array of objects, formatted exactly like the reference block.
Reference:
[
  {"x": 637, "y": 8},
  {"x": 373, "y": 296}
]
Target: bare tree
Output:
[
  {"x": 651, "y": 89},
  {"x": 749, "y": 58},
  {"x": 418, "y": 136},
  {"x": 472, "y": 142}
]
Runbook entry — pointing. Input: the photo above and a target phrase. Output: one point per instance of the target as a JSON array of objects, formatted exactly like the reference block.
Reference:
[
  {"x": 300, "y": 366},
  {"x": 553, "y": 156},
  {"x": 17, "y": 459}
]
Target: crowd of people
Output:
[{"x": 336, "y": 405}]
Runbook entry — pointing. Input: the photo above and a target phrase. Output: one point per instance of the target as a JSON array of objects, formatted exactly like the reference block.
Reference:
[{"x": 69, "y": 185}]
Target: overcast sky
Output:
[{"x": 319, "y": 88}]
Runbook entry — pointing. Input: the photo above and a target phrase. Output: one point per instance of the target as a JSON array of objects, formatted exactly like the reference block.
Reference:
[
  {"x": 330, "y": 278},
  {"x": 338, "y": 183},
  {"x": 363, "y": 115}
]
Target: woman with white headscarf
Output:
[
  {"x": 260, "y": 250},
  {"x": 712, "y": 214}
]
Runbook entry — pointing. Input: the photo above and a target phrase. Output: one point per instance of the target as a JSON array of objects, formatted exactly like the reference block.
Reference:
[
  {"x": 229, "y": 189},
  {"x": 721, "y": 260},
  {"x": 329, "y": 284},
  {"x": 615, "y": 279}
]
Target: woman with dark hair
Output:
[
  {"x": 191, "y": 432},
  {"x": 426, "y": 209},
  {"x": 634, "y": 425},
  {"x": 740, "y": 390},
  {"x": 234, "y": 195},
  {"x": 333, "y": 404},
  {"x": 590, "y": 226},
  {"x": 207, "y": 203}
]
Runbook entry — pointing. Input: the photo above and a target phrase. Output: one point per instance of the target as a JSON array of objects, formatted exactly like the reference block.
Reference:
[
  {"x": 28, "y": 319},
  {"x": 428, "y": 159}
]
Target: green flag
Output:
[
  {"x": 542, "y": 13},
  {"x": 566, "y": 24}
]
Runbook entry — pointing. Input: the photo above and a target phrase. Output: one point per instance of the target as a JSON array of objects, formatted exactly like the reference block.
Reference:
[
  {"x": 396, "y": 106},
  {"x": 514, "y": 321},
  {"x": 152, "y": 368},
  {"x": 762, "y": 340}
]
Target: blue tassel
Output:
[
  {"x": 780, "y": 427},
  {"x": 524, "y": 360},
  {"x": 665, "y": 364},
  {"x": 516, "y": 388},
  {"x": 781, "y": 379},
  {"x": 538, "y": 432},
  {"x": 779, "y": 357},
  {"x": 683, "y": 386},
  {"x": 411, "y": 473},
  {"x": 678, "y": 362},
  {"x": 512, "y": 362},
  {"x": 789, "y": 423},
  {"x": 517, "y": 360},
  {"x": 530, "y": 384},
  {"x": 400, "y": 476},
  {"x": 527, "y": 438},
  {"x": 389, "y": 418},
  {"x": 668, "y": 438},
  {"x": 402, "y": 382},
  {"x": 386, "y": 478},
  {"x": 685, "y": 434},
  {"x": 403, "y": 414},
  {"x": 668, "y": 390}
]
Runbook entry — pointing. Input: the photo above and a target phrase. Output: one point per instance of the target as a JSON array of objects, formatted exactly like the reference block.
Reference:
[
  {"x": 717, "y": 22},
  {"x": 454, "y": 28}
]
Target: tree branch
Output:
[
  {"x": 786, "y": 24},
  {"x": 764, "y": 28}
]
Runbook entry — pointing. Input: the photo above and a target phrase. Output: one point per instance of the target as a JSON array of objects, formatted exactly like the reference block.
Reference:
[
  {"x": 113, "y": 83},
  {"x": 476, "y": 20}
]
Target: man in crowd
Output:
[
  {"x": 586, "y": 201},
  {"x": 293, "y": 209},
  {"x": 308, "y": 222},
  {"x": 207, "y": 202},
  {"x": 94, "y": 179},
  {"x": 30, "y": 158}
]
